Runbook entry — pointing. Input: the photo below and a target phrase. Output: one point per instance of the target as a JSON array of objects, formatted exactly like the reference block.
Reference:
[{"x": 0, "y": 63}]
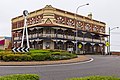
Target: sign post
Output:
[
  {"x": 80, "y": 46},
  {"x": 25, "y": 14},
  {"x": 107, "y": 44},
  {"x": 26, "y": 48}
]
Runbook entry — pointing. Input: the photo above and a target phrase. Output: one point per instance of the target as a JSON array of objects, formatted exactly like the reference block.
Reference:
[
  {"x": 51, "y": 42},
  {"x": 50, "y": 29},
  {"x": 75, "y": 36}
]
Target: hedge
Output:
[
  {"x": 95, "y": 78},
  {"x": 39, "y": 51},
  {"x": 45, "y": 51},
  {"x": 0, "y": 57},
  {"x": 36, "y": 55},
  {"x": 17, "y": 57},
  {"x": 61, "y": 56},
  {"x": 53, "y": 56},
  {"x": 20, "y": 77},
  {"x": 1, "y": 50},
  {"x": 4, "y": 53},
  {"x": 40, "y": 57}
]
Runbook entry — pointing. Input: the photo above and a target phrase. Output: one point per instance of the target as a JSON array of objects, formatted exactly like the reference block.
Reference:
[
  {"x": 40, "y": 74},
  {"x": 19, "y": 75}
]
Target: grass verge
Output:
[
  {"x": 20, "y": 77},
  {"x": 95, "y": 78}
]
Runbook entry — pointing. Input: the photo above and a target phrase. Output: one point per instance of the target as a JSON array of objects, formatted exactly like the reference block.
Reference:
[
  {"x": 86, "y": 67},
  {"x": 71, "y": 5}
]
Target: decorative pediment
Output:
[
  {"x": 48, "y": 21},
  {"x": 48, "y": 6}
]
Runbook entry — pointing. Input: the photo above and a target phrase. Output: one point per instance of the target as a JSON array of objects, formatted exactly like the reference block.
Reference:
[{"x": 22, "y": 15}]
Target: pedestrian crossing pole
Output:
[{"x": 25, "y": 15}]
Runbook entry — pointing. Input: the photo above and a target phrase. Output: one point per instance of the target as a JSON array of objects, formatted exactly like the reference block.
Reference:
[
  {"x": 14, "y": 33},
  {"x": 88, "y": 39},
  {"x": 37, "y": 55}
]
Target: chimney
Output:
[{"x": 90, "y": 15}]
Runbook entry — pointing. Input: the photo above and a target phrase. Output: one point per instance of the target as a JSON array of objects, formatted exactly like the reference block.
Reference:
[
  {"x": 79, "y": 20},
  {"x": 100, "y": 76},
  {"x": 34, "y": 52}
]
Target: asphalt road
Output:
[{"x": 101, "y": 65}]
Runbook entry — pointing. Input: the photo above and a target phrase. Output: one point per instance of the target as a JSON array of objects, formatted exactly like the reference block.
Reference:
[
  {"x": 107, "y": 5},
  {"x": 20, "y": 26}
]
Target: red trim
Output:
[{"x": 2, "y": 42}]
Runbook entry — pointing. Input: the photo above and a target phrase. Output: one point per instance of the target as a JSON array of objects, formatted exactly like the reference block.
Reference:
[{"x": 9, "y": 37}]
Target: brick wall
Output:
[{"x": 115, "y": 53}]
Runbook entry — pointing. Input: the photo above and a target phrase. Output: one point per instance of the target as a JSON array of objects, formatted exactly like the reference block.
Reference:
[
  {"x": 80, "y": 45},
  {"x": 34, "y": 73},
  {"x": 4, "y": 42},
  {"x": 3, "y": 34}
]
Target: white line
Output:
[{"x": 91, "y": 59}]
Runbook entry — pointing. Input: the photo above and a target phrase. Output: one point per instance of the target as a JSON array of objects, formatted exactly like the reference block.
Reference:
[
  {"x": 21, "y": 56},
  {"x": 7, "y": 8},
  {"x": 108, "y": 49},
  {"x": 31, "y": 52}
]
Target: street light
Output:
[
  {"x": 109, "y": 36},
  {"x": 76, "y": 22}
]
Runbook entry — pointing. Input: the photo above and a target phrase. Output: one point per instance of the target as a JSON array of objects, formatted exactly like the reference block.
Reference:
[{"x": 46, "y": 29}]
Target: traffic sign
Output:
[
  {"x": 80, "y": 45},
  {"x": 25, "y": 13},
  {"x": 107, "y": 44},
  {"x": 20, "y": 49}
]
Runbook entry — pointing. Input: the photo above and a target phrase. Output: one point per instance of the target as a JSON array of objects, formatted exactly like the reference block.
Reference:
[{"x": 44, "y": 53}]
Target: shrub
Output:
[
  {"x": 20, "y": 77},
  {"x": 96, "y": 78},
  {"x": 36, "y": 55},
  {"x": 52, "y": 56},
  {"x": 3, "y": 53},
  {"x": 40, "y": 57},
  {"x": 0, "y": 57},
  {"x": 62, "y": 56},
  {"x": 69, "y": 54},
  {"x": 17, "y": 57},
  {"x": 55, "y": 53},
  {"x": 1, "y": 50},
  {"x": 26, "y": 57},
  {"x": 39, "y": 51},
  {"x": 56, "y": 50}
]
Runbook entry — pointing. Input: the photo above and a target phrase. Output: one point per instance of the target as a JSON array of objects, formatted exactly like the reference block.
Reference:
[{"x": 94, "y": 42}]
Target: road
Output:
[{"x": 101, "y": 65}]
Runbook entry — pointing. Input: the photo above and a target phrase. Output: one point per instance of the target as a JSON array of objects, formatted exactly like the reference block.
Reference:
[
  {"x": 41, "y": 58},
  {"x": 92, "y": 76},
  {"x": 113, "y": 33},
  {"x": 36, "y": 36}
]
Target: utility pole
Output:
[
  {"x": 110, "y": 38},
  {"x": 76, "y": 25}
]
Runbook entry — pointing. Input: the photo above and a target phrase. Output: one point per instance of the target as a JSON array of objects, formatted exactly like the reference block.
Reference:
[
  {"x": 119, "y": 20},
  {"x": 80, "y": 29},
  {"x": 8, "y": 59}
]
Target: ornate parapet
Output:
[{"x": 50, "y": 16}]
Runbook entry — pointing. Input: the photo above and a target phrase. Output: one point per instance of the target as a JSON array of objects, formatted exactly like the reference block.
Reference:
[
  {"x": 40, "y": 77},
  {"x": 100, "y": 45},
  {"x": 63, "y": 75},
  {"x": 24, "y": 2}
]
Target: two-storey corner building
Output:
[{"x": 52, "y": 28}]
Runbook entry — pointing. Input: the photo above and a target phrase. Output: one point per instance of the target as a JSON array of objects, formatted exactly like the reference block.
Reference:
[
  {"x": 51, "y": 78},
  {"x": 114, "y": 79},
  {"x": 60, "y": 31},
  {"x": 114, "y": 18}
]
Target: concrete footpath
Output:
[{"x": 80, "y": 58}]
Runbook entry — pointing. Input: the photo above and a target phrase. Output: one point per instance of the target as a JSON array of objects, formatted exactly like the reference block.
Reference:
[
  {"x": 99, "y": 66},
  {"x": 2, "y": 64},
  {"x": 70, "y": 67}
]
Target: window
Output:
[{"x": 48, "y": 30}]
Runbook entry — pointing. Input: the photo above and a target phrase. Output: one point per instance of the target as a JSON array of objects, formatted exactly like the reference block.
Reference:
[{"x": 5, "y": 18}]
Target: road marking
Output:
[{"x": 91, "y": 59}]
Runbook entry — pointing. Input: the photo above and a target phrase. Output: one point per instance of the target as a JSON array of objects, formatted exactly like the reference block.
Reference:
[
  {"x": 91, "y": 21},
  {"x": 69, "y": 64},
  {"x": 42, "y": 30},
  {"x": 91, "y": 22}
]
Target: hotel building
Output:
[{"x": 52, "y": 28}]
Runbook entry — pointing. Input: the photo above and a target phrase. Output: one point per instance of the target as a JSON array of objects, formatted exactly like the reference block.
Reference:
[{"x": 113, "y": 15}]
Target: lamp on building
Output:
[
  {"x": 76, "y": 22},
  {"x": 109, "y": 37}
]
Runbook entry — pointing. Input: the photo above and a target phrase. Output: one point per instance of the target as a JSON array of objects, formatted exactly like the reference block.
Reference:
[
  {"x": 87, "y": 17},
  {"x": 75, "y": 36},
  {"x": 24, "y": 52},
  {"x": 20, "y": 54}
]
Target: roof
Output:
[{"x": 50, "y": 7}]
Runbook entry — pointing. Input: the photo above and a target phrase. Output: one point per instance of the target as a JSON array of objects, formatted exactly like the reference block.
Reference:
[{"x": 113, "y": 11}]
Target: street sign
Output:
[
  {"x": 25, "y": 30},
  {"x": 107, "y": 44},
  {"x": 80, "y": 45},
  {"x": 20, "y": 49}
]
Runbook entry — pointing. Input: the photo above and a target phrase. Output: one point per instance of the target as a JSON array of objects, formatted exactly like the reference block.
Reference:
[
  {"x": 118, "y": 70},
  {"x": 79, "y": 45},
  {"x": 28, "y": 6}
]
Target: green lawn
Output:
[
  {"x": 95, "y": 78},
  {"x": 20, "y": 77}
]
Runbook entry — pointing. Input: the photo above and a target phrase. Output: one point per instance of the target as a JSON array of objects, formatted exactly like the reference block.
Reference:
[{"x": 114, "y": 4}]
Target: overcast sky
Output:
[{"x": 103, "y": 10}]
